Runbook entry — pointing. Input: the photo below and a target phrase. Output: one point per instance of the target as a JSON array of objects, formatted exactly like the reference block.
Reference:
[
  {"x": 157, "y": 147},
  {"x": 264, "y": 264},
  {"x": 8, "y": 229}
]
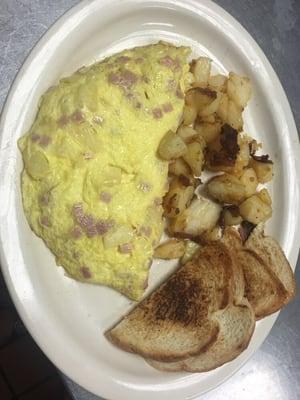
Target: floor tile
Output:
[{"x": 52, "y": 389}]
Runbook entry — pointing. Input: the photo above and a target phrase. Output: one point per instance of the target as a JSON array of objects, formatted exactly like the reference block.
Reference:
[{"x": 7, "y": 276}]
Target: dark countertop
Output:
[{"x": 274, "y": 370}]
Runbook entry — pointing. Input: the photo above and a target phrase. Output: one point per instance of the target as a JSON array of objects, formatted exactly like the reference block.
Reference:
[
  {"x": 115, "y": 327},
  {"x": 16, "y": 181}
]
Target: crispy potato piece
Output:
[
  {"x": 218, "y": 82},
  {"x": 189, "y": 115},
  {"x": 210, "y": 119},
  {"x": 194, "y": 155},
  {"x": 249, "y": 180},
  {"x": 234, "y": 116},
  {"x": 209, "y": 132},
  {"x": 231, "y": 218},
  {"x": 264, "y": 195},
  {"x": 212, "y": 107},
  {"x": 200, "y": 68},
  {"x": 226, "y": 189},
  {"x": 179, "y": 167},
  {"x": 239, "y": 89},
  {"x": 212, "y": 235},
  {"x": 191, "y": 249},
  {"x": 263, "y": 170},
  {"x": 222, "y": 111},
  {"x": 173, "y": 248},
  {"x": 177, "y": 199},
  {"x": 199, "y": 97},
  {"x": 171, "y": 146},
  {"x": 187, "y": 133},
  {"x": 255, "y": 210},
  {"x": 201, "y": 216}
]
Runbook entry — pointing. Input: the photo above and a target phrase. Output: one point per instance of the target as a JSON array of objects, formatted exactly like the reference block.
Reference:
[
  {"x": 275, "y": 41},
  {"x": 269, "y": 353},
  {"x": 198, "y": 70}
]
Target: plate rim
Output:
[{"x": 38, "y": 48}]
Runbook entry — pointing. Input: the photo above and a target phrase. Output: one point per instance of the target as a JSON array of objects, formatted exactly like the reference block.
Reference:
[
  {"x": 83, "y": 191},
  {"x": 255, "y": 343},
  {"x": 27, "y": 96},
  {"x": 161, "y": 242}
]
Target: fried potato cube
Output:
[
  {"x": 201, "y": 216},
  {"x": 189, "y": 114},
  {"x": 199, "y": 97},
  {"x": 179, "y": 167},
  {"x": 249, "y": 180},
  {"x": 226, "y": 188},
  {"x": 173, "y": 248},
  {"x": 171, "y": 146},
  {"x": 191, "y": 249},
  {"x": 234, "y": 116},
  {"x": 187, "y": 133},
  {"x": 209, "y": 132},
  {"x": 177, "y": 199},
  {"x": 231, "y": 219},
  {"x": 263, "y": 170},
  {"x": 239, "y": 89},
  {"x": 218, "y": 82},
  {"x": 200, "y": 68},
  {"x": 264, "y": 195},
  {"x": 222, "y": 110},
  {"x": 212, "y": 107},
  {"x": 194, "y": 155},
  {"x": 255, "y": 210}
]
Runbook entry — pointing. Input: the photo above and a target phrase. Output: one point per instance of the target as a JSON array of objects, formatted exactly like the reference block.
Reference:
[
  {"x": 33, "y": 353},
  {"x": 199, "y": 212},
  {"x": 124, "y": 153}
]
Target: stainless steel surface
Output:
[{"x": 274, "y": 370}]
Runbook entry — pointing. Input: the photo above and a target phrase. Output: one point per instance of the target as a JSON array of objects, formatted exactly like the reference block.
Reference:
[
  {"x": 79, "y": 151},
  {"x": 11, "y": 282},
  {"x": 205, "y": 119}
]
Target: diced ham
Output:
[
  {"x": 76, "y": 232},
  {"x": 35, "y": 137},
  {"x": 78, "y": 212},
  {"x": 45, "y": 221},
  {"x": 125, "y": 248},
  {"x": 157, "y": 113},
  {"x": 63, "y": 121},
  {"x": 45, "y": 141},
  {"x": 104, "y": 226},
  {"x": 77, "y": 116},
  {"x": 105, "y": 197},
  {"x": 169, "y": 62},
  {"x": 44, "y": 199},
  {"x": 125, "y": 78},
  {"x": 167, "y": 107},
  {"x": 86, "y": 273},
  {"x": 171, "y": 85}
]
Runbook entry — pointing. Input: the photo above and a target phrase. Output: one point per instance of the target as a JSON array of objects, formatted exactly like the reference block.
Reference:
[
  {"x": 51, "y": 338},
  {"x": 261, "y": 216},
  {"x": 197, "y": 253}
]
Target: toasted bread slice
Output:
[
  {"x": 175, "y": 321},
  {"x": 236, "y": 328}
]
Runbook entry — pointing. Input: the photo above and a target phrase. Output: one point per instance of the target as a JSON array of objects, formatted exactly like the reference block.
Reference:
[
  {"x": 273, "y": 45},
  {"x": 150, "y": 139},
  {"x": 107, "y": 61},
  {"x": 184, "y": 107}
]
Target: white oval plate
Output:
[{"x": 67, "y": 318}]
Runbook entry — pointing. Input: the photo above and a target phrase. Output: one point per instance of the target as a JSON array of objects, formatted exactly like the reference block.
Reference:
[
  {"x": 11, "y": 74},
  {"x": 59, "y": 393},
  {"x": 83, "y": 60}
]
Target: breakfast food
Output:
[
  {"x": 117, "y": 153},
  {"x": 92, "y": 183},
  {"x": 204, "y": 315},
  {"x": 231, "y": 274},
  {"x": 186, "y": 315}
]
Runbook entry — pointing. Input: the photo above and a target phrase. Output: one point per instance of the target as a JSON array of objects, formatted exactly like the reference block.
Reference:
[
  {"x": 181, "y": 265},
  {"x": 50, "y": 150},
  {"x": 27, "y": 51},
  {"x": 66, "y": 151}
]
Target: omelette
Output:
[{"x": 92, "y": 183}]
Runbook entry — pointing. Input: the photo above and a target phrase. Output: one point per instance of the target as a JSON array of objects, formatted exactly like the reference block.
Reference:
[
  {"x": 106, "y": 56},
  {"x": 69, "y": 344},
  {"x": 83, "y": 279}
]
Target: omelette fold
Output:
[{"x": 92, "y": 183}]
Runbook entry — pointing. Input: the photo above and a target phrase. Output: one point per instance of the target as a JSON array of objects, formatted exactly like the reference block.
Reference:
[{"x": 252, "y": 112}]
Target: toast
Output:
[
  {"x": 236, "y": 328},
  {"x": 269, "y": 279},
  {"x": 178, "y": 319}
]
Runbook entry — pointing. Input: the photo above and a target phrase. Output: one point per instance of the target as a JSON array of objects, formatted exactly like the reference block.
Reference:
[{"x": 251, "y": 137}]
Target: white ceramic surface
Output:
[{"x": 65, "y": 317}]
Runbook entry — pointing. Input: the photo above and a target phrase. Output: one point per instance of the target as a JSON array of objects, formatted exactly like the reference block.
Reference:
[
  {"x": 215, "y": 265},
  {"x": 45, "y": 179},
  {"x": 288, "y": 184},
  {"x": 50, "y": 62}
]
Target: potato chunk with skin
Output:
[
  {"x": 187, "y": 133},
  {"x": 263, "y": 170},
  {"x": 177, "y": 199},
  {"x": 218, "y": 82},
  {"x": 265, "y": 196},
  {"x": 179, "y": 167},
  {"x": 189, "y": 115},
  {"x": 255, "y": 210},
  {"x": 199, "y": 97},
  {"x": 173, "y": 248},
  {"x": 200, "y": 68},
  {"x": 226, "y": 189},
  {"x": 239, "y": 89},
  {"x": 249, "y": 180},
  {"x": 194, "y": 156},
  {"x": 171, "y": 146},
  {"x": 202, "y": 215}
]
